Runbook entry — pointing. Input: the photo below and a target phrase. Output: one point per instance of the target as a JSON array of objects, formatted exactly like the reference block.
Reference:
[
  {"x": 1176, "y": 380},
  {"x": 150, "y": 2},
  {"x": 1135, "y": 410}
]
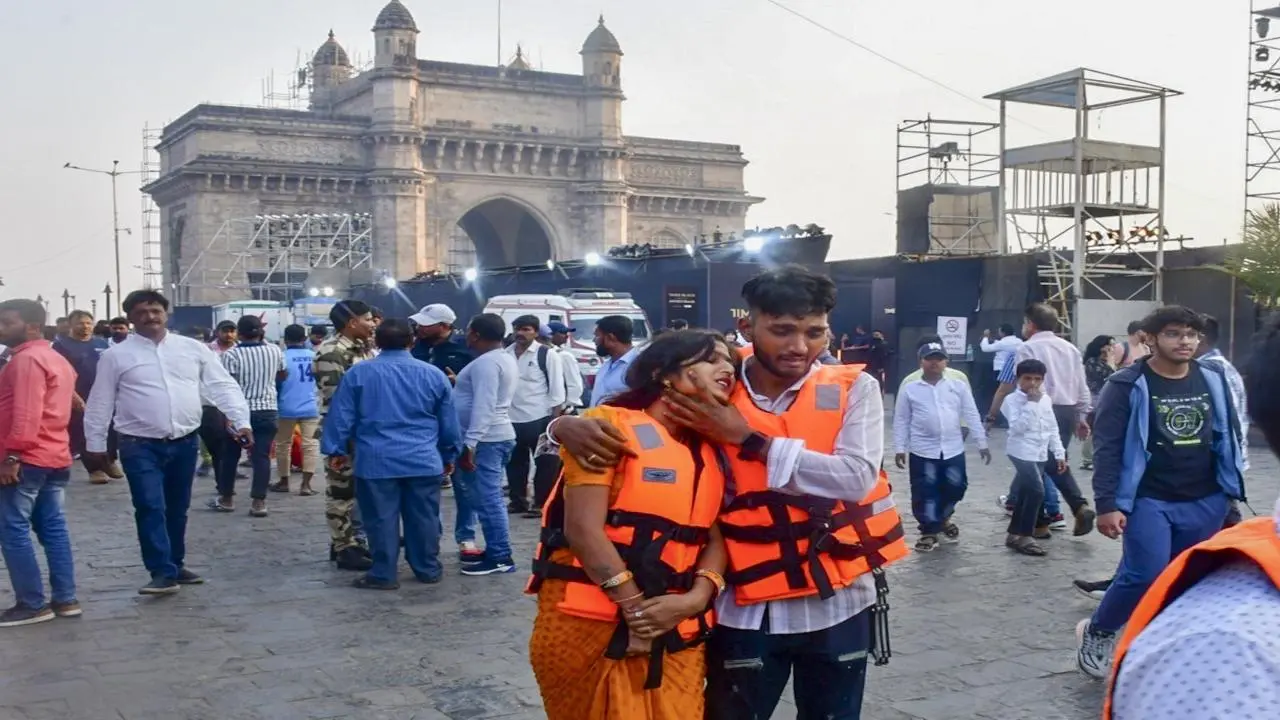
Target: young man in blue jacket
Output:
[{"x": 1167, "y": 463}]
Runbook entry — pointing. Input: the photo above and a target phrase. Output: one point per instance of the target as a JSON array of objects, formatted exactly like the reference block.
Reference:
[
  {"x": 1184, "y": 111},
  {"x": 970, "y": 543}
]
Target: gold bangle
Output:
[
  {"x": 716, "y": 579},
  {"x": 637, "y": 596},
  {"x": 617, "y": 580}
]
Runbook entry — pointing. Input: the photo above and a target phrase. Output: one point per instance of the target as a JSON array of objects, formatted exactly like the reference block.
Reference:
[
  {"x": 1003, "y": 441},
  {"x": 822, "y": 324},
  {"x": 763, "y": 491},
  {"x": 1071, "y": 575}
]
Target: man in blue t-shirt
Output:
[
  {"x": 297, "y": 404},
  {"x": 82, "y": 349}
]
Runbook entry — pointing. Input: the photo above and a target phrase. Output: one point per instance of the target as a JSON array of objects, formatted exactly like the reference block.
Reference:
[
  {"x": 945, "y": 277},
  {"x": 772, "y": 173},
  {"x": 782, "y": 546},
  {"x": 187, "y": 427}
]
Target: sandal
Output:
[
  {"x": 951, "y": 530},
  {"x": 927, "y": 543},
  {"x": 217, "y": 506},
  {"x": 1025, "y": 545},
  {"x": 1042, "y": 532},
  {"x": 280, "y": 487},
  {"x": 258, "y": 512},
  {"x": 306, "y": 491}
]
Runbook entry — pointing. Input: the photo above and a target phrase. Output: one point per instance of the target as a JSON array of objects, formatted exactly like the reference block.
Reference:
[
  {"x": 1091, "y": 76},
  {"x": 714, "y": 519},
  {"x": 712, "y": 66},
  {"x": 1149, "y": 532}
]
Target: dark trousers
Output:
[
  {"x": 415, "y": 502},
  {"x": 1028, "y": 508},
  {"x": 160, "y": 474},
  {"x": 545, "y": 468},
  {"x": 216, "y": 437},
  {"x": 747, "y": 670},
  {"x": 264, "y": 424},
  {"x": 937, "y": 485},
  {"x": 75, "y": 429},
  {"x": 1064, "y": 481}
]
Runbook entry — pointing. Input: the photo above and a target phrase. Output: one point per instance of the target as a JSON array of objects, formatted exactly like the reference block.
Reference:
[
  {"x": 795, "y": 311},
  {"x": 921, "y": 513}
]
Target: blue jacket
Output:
[{"x": 1121, "y": 429}]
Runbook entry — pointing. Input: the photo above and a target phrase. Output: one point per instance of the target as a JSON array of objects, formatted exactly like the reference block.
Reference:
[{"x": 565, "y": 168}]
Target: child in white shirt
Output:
[{"x": 1033, "y": 436}]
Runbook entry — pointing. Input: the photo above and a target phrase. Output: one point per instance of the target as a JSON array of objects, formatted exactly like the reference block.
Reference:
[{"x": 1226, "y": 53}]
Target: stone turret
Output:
[
  {"x": 330, "y": 67},
  {"x": 396, "y": 37},
  {"x": 602, "y": 77}
]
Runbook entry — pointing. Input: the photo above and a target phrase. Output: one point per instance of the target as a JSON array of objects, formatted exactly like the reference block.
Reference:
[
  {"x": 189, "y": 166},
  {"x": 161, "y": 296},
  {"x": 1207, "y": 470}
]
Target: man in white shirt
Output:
[
  {"x": 1067, "y": 389},
  {"x": 151, "y": 385},
  {"x": 927, "y": 432},
  {"x": 558, "y": 334},
  {"x": 1006, "y": 345},
  {"x": 540, "y": 395}
]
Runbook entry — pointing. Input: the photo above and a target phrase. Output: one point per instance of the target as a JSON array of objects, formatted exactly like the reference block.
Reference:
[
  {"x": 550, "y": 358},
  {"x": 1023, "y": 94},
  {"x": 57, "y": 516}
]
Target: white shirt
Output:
[
  {"x": 537, "y": 394},
  {"x": 927, "y": 419},
  {"x": 1033, "y": 429},
  {"x": 573, "y": 386},
  {"x": 1064, "y": 382},
  {"x": 153, "y": 390},
  {"x": 849, "y": 473},
  {"x": 1003, "y": 348},
  {"x": 1212, "y": 653}
]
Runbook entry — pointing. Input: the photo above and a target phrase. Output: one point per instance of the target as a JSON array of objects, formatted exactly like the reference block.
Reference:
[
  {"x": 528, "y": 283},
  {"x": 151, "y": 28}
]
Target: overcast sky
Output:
[{"x": 815, "y": 115}]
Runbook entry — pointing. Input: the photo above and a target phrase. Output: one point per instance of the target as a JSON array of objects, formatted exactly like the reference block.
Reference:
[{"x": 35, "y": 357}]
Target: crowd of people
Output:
[{"x": 716, "y": 519}]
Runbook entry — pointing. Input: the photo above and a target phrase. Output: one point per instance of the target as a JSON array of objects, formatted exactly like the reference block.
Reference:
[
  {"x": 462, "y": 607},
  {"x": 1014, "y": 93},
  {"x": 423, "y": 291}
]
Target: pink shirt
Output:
[{"x": 35, "y": 405}]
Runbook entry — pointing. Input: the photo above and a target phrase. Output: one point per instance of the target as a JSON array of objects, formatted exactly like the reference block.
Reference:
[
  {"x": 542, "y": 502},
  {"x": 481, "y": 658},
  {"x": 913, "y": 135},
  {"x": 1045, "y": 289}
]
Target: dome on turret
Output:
[
  {"x": 601, "y": 41},
  {"x": 520, "y": 62},
  {"x": 395, "y": 16},
  {"x": 331, "y": 53}
]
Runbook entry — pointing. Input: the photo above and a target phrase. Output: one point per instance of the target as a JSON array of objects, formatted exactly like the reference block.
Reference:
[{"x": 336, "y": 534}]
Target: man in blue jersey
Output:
[
  {"x": 79, "y": 346},
  {"x": 298, "y": 411}
]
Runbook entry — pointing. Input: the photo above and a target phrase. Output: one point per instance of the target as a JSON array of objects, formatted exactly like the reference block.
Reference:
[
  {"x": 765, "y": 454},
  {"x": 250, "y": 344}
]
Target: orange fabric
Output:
[
  {"x": 1254, "y": 539},
  {"x": 579, "y": 683},
  {"x": 747, "y": 351},
  {"x": 816, "y": 417},
  {"x": 576, "y": 620}
]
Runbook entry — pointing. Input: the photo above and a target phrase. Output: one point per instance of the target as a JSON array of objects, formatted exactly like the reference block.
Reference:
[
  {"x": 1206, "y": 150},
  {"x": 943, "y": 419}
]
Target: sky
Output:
[{"x": 815, "y": 115}]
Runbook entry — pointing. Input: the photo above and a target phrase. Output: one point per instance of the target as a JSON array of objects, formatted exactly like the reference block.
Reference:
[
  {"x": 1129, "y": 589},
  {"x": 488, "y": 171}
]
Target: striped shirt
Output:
[{"x": 254, "y": 365}]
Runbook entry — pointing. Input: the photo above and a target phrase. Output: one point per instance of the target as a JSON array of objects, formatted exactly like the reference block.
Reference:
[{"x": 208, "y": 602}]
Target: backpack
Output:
[{"x": 542, "y": 364}]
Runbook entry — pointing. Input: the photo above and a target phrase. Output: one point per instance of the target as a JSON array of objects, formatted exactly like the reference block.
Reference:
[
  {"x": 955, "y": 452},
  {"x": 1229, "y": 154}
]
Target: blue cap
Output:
[
  {"x": 559, "y": 327},
  {"x": 931, "y": 350}
]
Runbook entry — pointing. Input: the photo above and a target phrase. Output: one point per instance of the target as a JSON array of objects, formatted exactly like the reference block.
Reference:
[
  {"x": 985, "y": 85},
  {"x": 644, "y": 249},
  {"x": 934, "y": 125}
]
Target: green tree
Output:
[{"x": 1256, "y": 261}]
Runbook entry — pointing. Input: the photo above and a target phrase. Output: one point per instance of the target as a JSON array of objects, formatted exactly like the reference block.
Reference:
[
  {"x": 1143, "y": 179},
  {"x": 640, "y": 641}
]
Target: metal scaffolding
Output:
[
  {"x": 1262, "y": 140},
  {"x": 152, "y": 265},
  {"x": 957, "y": 163},
  {"x": 1092, "y": 208},
  {"x": 269, "y": 257}
]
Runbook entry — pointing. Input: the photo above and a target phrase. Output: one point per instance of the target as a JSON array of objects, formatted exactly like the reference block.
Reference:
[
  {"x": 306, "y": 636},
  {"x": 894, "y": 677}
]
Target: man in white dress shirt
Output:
[
  {"x": 540, "y": 395},
  {"x": 151, "y": 385},
  {"x": 927, "y": 431}
]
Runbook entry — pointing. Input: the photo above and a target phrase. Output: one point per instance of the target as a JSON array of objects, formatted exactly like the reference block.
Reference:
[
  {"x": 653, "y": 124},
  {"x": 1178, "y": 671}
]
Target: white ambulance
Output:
[{"x": 580, "y": 309}]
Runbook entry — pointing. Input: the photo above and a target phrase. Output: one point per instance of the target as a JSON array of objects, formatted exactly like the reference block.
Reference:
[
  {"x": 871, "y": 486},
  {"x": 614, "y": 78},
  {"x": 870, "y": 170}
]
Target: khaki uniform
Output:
[{"x": 334, "y": 358}]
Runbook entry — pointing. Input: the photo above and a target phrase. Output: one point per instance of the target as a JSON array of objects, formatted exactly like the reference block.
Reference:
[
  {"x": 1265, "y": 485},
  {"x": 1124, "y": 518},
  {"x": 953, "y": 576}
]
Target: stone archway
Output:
[{"x": 499, "y": 232}]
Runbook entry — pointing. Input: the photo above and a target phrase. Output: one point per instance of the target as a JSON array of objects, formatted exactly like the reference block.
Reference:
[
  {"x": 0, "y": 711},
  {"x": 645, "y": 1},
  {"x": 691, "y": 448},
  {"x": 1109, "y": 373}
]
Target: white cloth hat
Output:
[{"x": 434, "y": 315}]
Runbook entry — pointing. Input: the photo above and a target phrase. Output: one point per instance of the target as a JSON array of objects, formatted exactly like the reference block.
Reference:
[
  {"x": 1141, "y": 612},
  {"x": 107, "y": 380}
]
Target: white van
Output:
[{"x": 580, "y": 309}]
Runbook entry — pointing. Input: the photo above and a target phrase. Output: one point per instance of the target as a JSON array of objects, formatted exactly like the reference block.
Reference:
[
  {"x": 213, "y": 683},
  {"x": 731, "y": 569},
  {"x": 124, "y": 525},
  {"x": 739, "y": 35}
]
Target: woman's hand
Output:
[
  {"x": 658, "y": 616},
  {"x": 638, "y": 646}
]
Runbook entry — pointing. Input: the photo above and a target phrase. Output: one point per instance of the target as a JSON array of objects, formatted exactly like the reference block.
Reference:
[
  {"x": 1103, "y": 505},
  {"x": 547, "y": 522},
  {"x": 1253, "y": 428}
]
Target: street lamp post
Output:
[
  {"x": 66, "y": 302},
  {"x": 113, "y": 173},
  {"x": 107, "y": 291}
]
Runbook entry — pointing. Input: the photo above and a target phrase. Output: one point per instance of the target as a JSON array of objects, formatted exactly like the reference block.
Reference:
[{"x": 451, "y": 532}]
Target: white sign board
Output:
[{"x": 954, "y": 332}]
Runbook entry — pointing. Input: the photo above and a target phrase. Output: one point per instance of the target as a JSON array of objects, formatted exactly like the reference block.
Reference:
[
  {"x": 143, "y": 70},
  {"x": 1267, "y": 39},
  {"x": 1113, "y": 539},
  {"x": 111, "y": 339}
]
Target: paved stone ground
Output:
[{"x": 277, "y": 634}]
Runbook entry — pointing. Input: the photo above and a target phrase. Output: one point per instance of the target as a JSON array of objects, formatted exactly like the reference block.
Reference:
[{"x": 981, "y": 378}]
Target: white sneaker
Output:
[
  {"x": 1002, "y": 501},
  {"x": 1094, "y": 650}
]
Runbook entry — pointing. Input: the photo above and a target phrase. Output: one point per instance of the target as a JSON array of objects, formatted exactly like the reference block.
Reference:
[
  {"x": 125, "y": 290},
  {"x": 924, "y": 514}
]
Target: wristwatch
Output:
[
  {"x": 752, "y": 447},
  {"x": 12, "y": 460}
]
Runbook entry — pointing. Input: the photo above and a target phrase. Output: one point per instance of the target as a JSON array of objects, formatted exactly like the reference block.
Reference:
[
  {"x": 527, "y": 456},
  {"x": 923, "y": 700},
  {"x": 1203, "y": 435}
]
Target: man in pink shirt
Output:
[{"x": 36, "y": 388}]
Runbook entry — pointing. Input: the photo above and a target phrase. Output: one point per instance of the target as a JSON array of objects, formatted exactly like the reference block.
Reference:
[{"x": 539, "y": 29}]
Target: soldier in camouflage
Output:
[{"x": 353, "y": 328}]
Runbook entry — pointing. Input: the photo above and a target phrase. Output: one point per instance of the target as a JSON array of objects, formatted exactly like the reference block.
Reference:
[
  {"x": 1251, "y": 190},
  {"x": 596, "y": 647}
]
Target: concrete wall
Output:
[{"x": 489, "y": 109}]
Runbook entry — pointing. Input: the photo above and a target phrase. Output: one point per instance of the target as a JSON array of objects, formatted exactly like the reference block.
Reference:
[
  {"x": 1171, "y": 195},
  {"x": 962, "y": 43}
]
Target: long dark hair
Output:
[
  {"x": 1093, "y": 351},
  {"x": 668, "y": 353}
]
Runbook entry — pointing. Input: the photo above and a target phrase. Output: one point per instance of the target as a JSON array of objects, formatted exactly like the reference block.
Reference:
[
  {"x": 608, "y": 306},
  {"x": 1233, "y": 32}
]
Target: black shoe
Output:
[
  {"x": 532, "y": 514},
  {"x": 428, "y": 579},
  {"x": 353, "y": 558},
  {"x": 186, "y": 577},
  {"x": 364, "y": 582},
  {"x": 514, "y": 509},
  {"x": 20, "y": 615},
  {"x": 160, "y": 586},
  {"x": 1085, "y": 517},
  {"x": 333, "y": 554}
]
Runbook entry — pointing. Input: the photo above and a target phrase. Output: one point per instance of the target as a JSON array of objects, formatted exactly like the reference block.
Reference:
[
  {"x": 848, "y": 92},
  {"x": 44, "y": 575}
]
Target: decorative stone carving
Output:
[
  {"x": 298, "y": 149},
  {"x": 668, "y": 175}
]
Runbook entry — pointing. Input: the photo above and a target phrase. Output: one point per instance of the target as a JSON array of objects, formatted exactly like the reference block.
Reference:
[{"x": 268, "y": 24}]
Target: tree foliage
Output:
[{"x": 1256, "y": 261}]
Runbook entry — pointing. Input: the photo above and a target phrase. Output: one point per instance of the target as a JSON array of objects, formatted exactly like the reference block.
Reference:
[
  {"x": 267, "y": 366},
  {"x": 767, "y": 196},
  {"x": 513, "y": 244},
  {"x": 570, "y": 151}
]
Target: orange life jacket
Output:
[
  {"x": 659, "y": 523},
  {"x": 1254, "y": 539},
  {"x": 747, "y": 351},
  {"x": 787, "y": 546}
]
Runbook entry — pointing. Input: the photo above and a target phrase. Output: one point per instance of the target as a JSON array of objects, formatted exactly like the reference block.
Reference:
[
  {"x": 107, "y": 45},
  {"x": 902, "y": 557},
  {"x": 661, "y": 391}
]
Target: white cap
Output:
[{"x": 434, "y": 315}]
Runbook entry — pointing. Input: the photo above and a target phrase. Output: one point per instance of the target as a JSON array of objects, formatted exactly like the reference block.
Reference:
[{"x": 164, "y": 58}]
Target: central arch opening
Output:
[{"x": 498, "y": 233}]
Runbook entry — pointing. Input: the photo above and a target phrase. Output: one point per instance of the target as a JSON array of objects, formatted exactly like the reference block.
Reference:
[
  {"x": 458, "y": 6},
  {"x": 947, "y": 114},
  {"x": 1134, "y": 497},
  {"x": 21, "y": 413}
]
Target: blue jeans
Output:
[
  {"x": 264, "y": 424},
  {"x": 747, "y": 671},
  {"x": 35, "y": 503},
  {"x": 386, "y": 503},
  {"x": 160, "y": 474},
  {"x": 480, "y": 494},
  {"x": 937, "y": 484},
  {"x": 1155, "y": 533}
]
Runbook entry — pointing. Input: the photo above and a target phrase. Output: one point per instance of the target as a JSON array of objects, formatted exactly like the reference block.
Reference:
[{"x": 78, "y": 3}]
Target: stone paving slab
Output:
[{"x": 277, "y": 634}]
